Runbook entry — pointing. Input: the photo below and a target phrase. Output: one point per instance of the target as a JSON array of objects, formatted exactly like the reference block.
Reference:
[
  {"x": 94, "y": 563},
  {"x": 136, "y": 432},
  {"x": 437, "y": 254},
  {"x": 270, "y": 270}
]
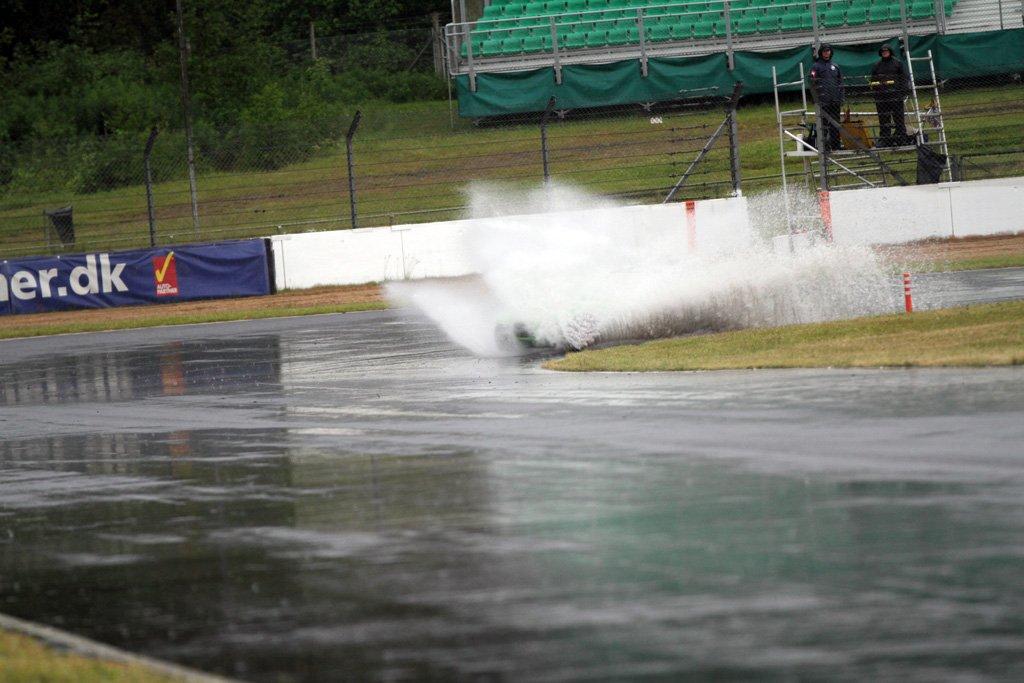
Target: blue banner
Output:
[{"x": 126, "y": 278}]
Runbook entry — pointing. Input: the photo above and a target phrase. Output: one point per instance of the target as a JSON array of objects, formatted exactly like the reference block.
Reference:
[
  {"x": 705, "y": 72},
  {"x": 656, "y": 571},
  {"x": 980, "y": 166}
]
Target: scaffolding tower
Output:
[{"x": 860, "y": 165}]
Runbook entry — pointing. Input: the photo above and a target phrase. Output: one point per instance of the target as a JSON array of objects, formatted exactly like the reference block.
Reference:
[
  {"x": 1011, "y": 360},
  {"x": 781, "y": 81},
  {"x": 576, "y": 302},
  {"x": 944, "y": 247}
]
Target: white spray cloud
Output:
[{"x": 575, "y": 279}]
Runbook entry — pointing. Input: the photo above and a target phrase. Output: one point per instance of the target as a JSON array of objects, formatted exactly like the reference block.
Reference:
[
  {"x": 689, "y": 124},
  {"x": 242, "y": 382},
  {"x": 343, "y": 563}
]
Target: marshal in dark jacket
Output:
[
  {"x": 827, "y": 77},
  {"x": 889, "y": 85},
  {"x": 888, "y": 77}
]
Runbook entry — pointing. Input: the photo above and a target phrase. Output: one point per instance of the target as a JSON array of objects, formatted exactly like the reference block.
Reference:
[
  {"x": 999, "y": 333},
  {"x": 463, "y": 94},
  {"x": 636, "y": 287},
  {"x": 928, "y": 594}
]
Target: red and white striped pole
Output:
[
  {"x": 691, "y": 224},
  {"x": 825, "y": 204},
  {"x": 908, "y": 300}
]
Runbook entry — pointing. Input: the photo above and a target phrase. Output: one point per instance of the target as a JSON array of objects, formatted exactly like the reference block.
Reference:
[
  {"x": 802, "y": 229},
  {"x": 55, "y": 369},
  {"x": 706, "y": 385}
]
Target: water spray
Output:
[{"x": 560, "y": 268}]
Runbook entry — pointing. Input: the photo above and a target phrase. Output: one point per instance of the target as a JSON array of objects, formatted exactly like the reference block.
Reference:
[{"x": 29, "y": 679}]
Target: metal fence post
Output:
[
  {"x": 815, "y": 26},
  {"x": 348, "y": 154},
  {"x": 146, "y": 157},
  {"x": 940, "y": 16},
  {"x": 469, "y": 58},
  {"x": 544, "y": 138},
  {"x": 641, "y": 31},
  {"x": 728, "y": 36},
  {"x": 183, "y": 55},
  {"x": 555, "y": 51},
  {"x": 903, "y": 27},
  {"x": 734, "y": 140}
]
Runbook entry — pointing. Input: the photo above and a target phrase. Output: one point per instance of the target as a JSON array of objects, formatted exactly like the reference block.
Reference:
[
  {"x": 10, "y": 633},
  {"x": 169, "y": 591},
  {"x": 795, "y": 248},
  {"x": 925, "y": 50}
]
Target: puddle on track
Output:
[{"x": 352, "y": 497}]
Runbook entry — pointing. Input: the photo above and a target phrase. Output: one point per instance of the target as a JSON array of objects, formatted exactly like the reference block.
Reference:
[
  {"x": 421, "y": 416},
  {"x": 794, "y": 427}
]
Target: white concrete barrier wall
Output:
[
  {"x": 426, "y": 250},
  {"x": 893, "y": 215},
  {"x": 889, "y": 215}
]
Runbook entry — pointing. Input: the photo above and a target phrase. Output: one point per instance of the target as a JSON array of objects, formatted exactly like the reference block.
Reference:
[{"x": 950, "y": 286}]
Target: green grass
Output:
[
  {"x": 1000, "y": 261},
  {"x": 152, "y": 316},
  {"x": 412, "y": 166},
  {"x": 991, "y": 334},
  {"x": 23, "y": 660}
]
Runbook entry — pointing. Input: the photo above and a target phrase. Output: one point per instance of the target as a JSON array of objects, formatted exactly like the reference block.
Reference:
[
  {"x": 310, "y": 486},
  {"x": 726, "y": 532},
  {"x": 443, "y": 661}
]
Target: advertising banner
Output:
[{"x": 125, "y": 278}]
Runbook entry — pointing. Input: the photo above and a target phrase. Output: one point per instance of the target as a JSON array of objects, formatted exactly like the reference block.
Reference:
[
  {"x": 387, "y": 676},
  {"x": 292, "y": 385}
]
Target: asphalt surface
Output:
[{"x": 352, "y": 497}]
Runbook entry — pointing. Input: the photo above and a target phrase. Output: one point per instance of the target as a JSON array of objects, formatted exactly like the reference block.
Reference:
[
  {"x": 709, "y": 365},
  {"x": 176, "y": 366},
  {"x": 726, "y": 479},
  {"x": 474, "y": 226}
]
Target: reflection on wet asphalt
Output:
[{"x": 351, "y": 497}]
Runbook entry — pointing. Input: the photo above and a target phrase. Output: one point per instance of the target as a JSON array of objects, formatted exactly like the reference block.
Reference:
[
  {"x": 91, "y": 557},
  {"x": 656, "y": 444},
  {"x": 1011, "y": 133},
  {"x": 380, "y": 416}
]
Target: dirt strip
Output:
[
  {"x": 317, "y": 296},
  {"x": 960, "y": 249}
]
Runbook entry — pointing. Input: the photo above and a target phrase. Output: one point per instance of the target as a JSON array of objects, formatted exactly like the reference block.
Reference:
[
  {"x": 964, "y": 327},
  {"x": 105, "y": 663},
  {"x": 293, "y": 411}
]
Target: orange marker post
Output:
[{"x": 908, "y": 300}]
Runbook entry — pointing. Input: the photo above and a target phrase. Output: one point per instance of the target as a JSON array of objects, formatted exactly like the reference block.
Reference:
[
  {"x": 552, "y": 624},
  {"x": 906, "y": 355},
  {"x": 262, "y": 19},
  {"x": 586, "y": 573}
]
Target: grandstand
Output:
[
  {"x": 510, "y": 28},
  {"x": 517, "y": 38}
]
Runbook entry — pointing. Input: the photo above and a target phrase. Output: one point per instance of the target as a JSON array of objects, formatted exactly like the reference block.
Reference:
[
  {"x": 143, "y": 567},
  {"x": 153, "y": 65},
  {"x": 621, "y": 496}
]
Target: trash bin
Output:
[{"x": 63, "y": 223}]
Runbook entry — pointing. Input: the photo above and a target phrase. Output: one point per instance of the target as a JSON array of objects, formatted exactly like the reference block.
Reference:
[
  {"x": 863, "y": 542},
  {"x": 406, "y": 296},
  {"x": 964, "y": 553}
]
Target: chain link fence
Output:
[{"x": 419, "y": 162}]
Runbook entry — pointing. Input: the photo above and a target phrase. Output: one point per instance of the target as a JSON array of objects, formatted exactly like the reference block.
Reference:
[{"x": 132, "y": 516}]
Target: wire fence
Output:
[{"x": 417, "y": 162}]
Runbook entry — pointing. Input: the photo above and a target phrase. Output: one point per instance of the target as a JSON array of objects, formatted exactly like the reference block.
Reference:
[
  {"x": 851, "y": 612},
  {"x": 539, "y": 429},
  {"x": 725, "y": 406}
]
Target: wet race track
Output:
[{"x": 352, "y": 497}]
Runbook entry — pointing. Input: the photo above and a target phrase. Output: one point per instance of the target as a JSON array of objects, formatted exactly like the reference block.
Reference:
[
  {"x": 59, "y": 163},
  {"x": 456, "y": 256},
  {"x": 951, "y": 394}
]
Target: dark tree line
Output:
[{"x": 107, "y": 67}]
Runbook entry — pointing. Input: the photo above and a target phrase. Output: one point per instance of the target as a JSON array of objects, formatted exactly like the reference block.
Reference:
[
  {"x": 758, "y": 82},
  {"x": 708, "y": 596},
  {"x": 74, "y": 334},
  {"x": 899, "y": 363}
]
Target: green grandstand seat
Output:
[
  {"x": 833, "y": 18},
  {"x": 533, "y": 44},
  {"x": 860, "y": 3},
  {"x": 491, "y": 47},
  {"x": 617, "y": 13},
  {"x": 744, "y": 25},
  {"x": 576, "y": 40},
  {"x": 659, "y": 32},
  {"x": 513, "y": 9},
  {"x": 878, "y": 14},
  {"x": 922, "y": 10},
  {"x": 535, "y": 8},
  {"x": 597, "y": 39},
  {"x": 769, "y": 24},
  {"x": 618, "y": 36},
  {"x": 704, "y": 29},
  {"x": 791, "y": 22},
  {"x": 855, "y": 16},
  {"x": 949, "y": 5},
  {"x": 478, "y": 43},
  {"x": 576, "y": 5},
  {"x": 682, "y": 30}
]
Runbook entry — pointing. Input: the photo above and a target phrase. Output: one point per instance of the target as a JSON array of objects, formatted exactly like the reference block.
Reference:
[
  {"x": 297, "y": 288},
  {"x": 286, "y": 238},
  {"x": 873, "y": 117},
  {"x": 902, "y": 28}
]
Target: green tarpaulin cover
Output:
[{"x": 600, "y": 85}]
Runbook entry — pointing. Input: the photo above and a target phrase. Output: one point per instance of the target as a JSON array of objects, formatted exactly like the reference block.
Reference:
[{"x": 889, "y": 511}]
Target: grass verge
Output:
[
  {"x": 990, "y": 334},
  {"x": 1000, "y": 261},
  {"x": 24, "y": 660},
  {"x": 33, "y": 326}
]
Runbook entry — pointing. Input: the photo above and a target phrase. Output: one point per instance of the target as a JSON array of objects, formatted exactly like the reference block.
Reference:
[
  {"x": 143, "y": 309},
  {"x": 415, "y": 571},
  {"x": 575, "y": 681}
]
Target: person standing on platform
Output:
[
  {"x": 827, "y": 81},
  {"x": 889, "y": 86}
]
